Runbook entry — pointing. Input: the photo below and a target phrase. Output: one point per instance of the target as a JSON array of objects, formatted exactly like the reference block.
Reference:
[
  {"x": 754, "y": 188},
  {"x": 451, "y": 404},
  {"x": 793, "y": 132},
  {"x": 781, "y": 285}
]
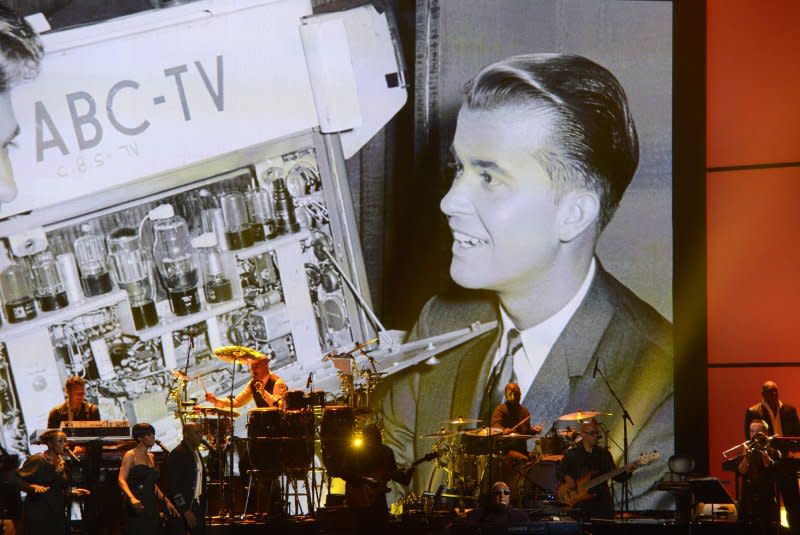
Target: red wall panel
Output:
[
  {"x": 753, "y": 76},
  {"x": 753, "y": 254}
]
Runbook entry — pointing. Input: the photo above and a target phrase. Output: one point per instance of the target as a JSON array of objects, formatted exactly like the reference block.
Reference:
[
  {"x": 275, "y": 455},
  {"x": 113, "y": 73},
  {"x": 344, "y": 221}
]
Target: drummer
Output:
[
  {"x": 512, "y": 417},
  {"x": 264, "y": 387}
]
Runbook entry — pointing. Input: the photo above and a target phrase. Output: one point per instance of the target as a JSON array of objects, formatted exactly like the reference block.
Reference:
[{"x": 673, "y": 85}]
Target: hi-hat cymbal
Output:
[
  {"x": 211, "y": 411},
  {"x": 514, "y": 436},
  {"x": 485, "y": 432},
  {"x": 240, "y": 354},
  {"x": 439, "y": 434},
  {"x": 462, "y": 421},
  {"x": 583, "y": 415}
]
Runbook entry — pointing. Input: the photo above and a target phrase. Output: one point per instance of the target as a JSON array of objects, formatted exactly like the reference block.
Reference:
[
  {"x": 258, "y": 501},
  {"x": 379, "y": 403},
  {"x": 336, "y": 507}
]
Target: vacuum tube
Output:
[
  {"x": 172, "y": 252},
  {"x": 285, "y": 217},
  {"x": 16, "y": 290},
  {"x": 259, "y": 206},
  {"x": 237, "y": 224},
  {"x": 216, "y": 286},
  {"x": 90, "y": 252},
  {"x": 48, "y": 289},
  {"x": 132, "y": 273}
]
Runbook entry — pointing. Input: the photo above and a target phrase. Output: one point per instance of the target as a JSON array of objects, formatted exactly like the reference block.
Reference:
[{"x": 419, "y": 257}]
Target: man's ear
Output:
[{"x": 578, "y": 211}]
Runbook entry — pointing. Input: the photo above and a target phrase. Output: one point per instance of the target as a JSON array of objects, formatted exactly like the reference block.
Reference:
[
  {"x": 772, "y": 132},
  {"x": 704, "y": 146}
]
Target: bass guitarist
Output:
[
  {"x": 582, "y": 461},
  {"x": 368, "y": 469}
]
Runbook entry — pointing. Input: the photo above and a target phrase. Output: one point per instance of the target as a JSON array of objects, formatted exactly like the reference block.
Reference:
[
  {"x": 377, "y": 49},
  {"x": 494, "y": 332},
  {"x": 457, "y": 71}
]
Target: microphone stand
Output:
[{"x": 626, "y": 417}]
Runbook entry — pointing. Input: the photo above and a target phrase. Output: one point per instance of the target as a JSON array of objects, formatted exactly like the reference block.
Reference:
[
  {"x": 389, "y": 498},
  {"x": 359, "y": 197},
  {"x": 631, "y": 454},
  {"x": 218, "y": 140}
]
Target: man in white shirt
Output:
[{"x": 543, "y": 151}]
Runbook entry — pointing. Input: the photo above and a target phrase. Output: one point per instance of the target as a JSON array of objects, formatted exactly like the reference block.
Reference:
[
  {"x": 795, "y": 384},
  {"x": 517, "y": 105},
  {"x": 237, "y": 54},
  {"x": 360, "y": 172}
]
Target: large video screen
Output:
[{"x": 594, "y": 304}]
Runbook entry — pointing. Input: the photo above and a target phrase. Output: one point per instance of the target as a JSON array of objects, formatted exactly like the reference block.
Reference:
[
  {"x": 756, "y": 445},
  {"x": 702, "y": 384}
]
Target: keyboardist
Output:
[{"x": 75, "y": 408}]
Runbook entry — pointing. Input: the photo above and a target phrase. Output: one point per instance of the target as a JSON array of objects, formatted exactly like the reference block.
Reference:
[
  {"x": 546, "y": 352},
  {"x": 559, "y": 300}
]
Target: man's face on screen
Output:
[
  {"x": 8, "y": 131},
  {"x": 501, "y": 206}
]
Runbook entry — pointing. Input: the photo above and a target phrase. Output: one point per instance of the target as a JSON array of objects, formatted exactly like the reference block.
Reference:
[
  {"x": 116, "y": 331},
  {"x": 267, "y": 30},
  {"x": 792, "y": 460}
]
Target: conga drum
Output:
[
  {"x": 294, "y": 400},
  {"x": 338, "y": 424},
  {"x": 264, "y": 436},
  {"x": 298, "y": 441}
]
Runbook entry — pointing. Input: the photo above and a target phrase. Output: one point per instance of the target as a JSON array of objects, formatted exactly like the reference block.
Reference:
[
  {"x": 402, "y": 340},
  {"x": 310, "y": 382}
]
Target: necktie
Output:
[{"x": 502, "y": 374}]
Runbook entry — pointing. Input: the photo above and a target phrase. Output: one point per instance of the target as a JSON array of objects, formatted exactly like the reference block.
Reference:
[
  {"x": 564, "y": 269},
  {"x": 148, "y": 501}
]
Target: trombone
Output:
[{"x": 759, "y": 442}]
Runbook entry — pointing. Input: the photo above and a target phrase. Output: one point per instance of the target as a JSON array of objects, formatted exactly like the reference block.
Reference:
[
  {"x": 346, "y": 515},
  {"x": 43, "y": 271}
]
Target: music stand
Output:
[{"x": 709, "y": 490}]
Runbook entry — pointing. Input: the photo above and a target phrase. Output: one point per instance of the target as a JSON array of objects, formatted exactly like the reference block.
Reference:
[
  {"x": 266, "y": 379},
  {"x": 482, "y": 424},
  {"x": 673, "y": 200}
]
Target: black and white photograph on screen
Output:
[{"x": 552, "y": 167}]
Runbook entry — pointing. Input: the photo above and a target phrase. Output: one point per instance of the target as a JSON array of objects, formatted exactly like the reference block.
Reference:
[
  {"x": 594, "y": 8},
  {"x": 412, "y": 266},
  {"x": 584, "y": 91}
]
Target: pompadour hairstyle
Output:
[
  {"x": 595, "y": 145},
  {"x": 21, "y": 49}
]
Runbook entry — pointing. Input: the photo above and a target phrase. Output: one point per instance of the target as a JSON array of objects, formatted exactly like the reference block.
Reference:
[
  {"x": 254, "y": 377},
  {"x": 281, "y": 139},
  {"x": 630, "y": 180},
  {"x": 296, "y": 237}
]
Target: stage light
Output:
[{"x": 358, "y": 439}]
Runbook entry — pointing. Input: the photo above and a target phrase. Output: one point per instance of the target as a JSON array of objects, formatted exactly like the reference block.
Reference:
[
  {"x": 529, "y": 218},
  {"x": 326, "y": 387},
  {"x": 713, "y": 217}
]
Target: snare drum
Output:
[
  {"x": 338, "y": 424},
  {"x": 294, "y": 400},
  {"x": 264, "y": 428}
]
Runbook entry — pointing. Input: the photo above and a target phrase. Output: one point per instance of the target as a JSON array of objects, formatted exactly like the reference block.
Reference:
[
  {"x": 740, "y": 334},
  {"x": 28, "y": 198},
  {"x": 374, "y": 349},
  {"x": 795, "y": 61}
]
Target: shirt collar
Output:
[{"x": 548, "y": 330}]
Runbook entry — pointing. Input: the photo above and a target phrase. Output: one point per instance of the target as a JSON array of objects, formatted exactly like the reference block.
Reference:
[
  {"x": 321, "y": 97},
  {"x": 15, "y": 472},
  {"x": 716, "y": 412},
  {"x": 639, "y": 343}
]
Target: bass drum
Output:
[
  {"x": 336, "y": 431},
  {"x": 264, "y": 432},
  {"x": 298, "y": 442},
  {"x": 534, "y": 483}
]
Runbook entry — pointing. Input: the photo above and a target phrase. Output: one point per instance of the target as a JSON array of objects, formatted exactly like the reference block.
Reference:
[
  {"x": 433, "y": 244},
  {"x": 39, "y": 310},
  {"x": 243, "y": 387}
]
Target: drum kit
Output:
[
  {"x": 282, "y": 442},
  {"x": 472, "y": 458}
]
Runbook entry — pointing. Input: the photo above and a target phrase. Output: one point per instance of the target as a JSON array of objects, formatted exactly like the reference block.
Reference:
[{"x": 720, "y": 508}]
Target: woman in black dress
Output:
[
  {"x": 137, "y": 479},
  {"x": 44, "y": 478}
]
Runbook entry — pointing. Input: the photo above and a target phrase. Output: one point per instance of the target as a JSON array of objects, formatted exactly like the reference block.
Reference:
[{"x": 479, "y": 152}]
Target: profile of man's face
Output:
[
  {"x": 501, "y": 206},
  {"x": 8, "y": 131}
]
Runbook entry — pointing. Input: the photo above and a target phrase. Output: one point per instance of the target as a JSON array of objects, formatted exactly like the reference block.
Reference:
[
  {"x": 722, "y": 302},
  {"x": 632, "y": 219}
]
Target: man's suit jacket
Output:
[
  {"x": 632, "y": 341},
  {"x": 182, "y": 475},
  {"x": 790, "y": 425}
]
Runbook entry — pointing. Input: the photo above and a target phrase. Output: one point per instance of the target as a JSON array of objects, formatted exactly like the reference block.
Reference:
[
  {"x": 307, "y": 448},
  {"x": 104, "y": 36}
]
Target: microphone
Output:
[
  {"x": 596, "y": 365},
  {"x": 162, "y": 446},
  {"x": 72, "y": 455},
  {"x": 310, "y": 378}
]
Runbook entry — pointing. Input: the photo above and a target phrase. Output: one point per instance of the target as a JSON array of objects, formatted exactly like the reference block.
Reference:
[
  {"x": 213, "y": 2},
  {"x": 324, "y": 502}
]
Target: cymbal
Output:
[
  {"x": 462, "y": 421},
  {"x": 179, "y": 374},
  {"x": 211, "y": 410},
  {"x": 439, "y": 434},
  {"x": 240, "y": 354},
  {"x": 514, "y": 436},
  {"x": 583, "y": 415},
  {"x": 485, "y": 432}
]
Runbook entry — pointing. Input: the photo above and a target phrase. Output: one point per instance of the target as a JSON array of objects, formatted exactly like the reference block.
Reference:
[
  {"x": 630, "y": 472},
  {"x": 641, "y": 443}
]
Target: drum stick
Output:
[
  {"x": 522, "y": 422},
  {"x": 203, "y": 384}
]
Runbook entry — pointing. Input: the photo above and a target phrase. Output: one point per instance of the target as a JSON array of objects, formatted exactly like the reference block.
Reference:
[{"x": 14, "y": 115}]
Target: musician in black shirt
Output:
[
  {"x": 583, "y": 461},
  {"x": 512, "y": 417},
  {"x": 75, "y": 408}
]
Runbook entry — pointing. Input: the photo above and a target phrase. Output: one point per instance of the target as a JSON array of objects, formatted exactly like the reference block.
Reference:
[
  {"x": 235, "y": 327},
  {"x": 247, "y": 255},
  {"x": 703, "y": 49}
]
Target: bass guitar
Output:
[{"x": 582, "y": 491}]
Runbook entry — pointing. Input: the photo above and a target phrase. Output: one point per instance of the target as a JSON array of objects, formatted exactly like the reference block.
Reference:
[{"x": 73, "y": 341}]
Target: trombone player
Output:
[{"x": 759, "y": 504}]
